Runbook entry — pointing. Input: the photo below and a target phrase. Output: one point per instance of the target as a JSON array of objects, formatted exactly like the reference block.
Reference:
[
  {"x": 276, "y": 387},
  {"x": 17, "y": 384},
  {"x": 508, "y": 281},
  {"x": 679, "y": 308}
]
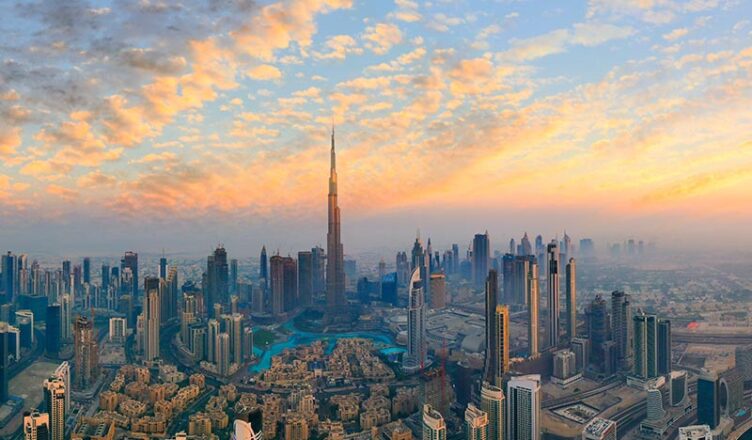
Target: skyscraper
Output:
[
  {"x": 8, "y": 278},
  {"x": 492, "y": 403},
  {"x": 492, "y": 300},
  {"x": 645, "y": 346},
  {"x": 708, "y": 400},
  {"x": 52, "y": 330},
  {"x": 87, "y": 270},
  {"x": 105, "y": 277},
  {"x": 598, "y": 330},
  {"x": 152, "y": 316},
  {"x": 318, "y": 272},
  {"x": 36, "y": 425},
  {"x": 622, "y": 328},
  {"x": 476, "y": 423},
  {"x": 416, "y": 331},
  {"x": 234, "y": 276},
  {"x": 305, "y": 277},
  {"x": 664, "y": 346},
  {"x": 553, "y": 295},
  {"x": 500, "y": 342},
  {"x": 335, "y": 265},
  {"x": 85, "y": 353},
  {"x": 4, "y": 351},
  {"x": 130, "y": 261},
  {"x": 524, "y": 403},
  {"x": 481, "y": 256},
  {"x": 163, "y": 268},
  {"x": 434, "y": 427},
  {"x": 533, "y": 300},
  {"x": 525, "y": 247},
  {"x": 277, "y": 284},
  {"x": 63, "y": 373},
  {"x": 217, "y": 277},
  {"x": 571, "y": 300},
  {"x": 54, "y": 398},
  {"x": 223, "y": 354},
  {"x": 264, "y": 268}
]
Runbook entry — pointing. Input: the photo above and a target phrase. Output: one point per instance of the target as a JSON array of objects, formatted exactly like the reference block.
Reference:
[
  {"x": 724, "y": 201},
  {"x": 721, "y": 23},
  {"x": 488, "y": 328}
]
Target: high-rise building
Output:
[
  {"x": 438, "y": 291},
  {"x": 318, "y": 273},
  {"x": 223, "y": 351},
  {"x": 622, "y": 328},
  {"x": 500, "y": 345},
  {"x": 492, "y": 403},
  {"x": 105, "y": 277},
  {"x": 571, "y": 295},
  {"x": 434, "y": 427},
  {"x": 743, "y": 356},
  {"x": 85, "y": 353},
  {"x": 492, "y": 300},
  {"x": 63, "y": 373},
  {"x": 647, "y": 341},
  {"x": 695, "y": 432},
  {"x": 52, "y": 330},
  {"x": 4, "y": 351},
  {"x": 87, "y": 270},
  {"x": 212, "y": 340},
  {"x": 217, "y": 278},
  {"x": 163, "y": 268},
  {"x": 678, "y": 388},
  {"x": 598, "y": 330},
  {"x": 476, "y": 423},
  {"x": 168, "y": 294},
  {"x": 290, "y": 275},
  {"x": 9, "y": 268},
  {"x": 599, "y": 429},
  {"x": 36, "y": 425},
  {"x": 552, "y": 325},
  {"x": 731, "y": 392},
  {"x": 130, "y": 261},
  {"x": 481, "y": 257},
  {"x": 305, "y": 277},
  {"x": 118, "y": 330},
  {"x": 234, "y": 276},
  {"x": 416, "y": 330},
  {"x": 565, "y": 367},
  {"x": 264, "y": 268},
  {"x": 581, "y": 350},
  {"x": 664, "y": 346},
  {"x": 533, "y": 300},
  {"x": 54, "y": 398},
  {"x": 235, "y": 331},
  {"x": 335, "y": 265},
  {"x": 525, "y": 247},
  {"x": 152, "y": 316},
  {"x": 708, "y": 400},
  {"x": 524, "y": 403}
]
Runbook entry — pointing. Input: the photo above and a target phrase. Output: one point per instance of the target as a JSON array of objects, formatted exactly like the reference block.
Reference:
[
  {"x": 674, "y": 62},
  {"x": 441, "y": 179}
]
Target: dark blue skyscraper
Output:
[
  {"x": 52, "y": 332},
  {"x": 87, "y": 270},
  {"x": 481, "y": 256},
  {"x": 708, "y": 401},
  {"x": 264, "y": 268},
  {"x": 4, "y": 340},
  {"x": 163, "y": 268},
  {"x": 8, "y": 278},
  {"x": 105, "y": 278}
]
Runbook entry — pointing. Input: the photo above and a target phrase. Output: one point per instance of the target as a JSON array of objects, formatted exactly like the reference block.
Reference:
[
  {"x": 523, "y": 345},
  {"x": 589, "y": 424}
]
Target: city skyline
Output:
[{"x": 217, "y": 129}]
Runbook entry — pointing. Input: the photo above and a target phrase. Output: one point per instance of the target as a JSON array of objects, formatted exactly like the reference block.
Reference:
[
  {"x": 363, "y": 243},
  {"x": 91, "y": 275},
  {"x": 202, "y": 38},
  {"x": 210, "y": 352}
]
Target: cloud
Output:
[
  {"x": 96, "y": 179},
  {"x": 407, "y": 11},
  {"x": 265, "y": 72},
  {"x": 676, "y": 34},
  {"x": 381, "y": 37},
  {"x": 339, "y": 46},
  {"x": 557, "y": 41}
]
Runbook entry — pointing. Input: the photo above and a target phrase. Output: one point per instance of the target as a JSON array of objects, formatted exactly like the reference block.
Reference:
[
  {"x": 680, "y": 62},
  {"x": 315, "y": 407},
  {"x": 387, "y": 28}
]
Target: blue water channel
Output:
[{"x": 384, "y": 341}]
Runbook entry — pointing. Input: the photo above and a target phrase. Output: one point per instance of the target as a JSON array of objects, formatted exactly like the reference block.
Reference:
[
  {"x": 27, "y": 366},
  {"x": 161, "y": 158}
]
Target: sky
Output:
[{"x": 148, "y": 125}]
